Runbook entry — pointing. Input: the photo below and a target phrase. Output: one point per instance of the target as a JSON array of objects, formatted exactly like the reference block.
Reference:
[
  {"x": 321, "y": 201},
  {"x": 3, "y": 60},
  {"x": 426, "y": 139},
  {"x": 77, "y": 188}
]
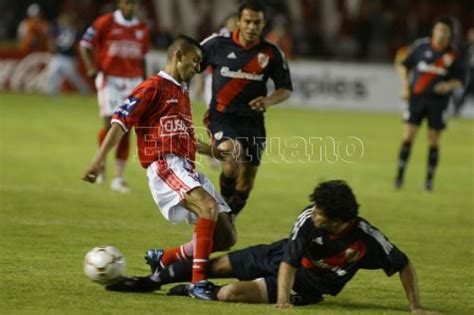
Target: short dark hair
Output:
[
  {"x": 336, "y": 199},
  {"x": 254, "y": 5},
  {"x": 446, "y": 20},
  {"x": 183, "y": 42}
]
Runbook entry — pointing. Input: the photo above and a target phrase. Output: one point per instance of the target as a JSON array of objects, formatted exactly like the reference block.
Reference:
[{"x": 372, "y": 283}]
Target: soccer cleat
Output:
[
  {"x": 179, "y": 290},
  {"x": 203, "y": 290},
  {"x": 133, "y": 284},
  {"x": 398, "y": 183},
  {"x": 100, "y": 179},
  {"x": 153, "y": 258},
  {"x": 118, "y": 184},
  {"x": 429, "y": 185}
]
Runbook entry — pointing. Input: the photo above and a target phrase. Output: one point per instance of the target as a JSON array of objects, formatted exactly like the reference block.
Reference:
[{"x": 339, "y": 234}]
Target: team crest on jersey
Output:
[
  {"x": 139, "y": 34},
  {"x": 448, "y": 59},
  {"x": 263, "y": 59}
]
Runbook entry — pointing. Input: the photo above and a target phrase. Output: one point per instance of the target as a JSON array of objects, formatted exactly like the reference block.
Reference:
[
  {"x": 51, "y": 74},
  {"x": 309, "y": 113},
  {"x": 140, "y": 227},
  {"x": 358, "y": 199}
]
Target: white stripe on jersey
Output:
[
  {"x": 386, "y": 245},
  {"x": 300, "y": 221},
  {"x": 205, "y": 40}
]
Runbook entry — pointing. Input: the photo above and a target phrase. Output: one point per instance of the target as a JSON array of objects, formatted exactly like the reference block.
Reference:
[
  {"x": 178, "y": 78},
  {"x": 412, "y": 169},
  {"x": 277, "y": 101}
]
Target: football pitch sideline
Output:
[{"x": 49, "y": 217}]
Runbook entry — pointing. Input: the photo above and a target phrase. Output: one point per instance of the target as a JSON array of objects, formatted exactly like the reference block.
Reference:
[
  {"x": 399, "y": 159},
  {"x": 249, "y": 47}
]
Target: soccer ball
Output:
[{"x": 104, "y": 264}]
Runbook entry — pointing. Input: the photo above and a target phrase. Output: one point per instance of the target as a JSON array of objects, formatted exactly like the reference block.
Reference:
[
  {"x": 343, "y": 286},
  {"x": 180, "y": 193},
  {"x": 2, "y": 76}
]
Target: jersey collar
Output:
[
  {"x": 119, "y": 19},
  {"x": 166, "y": 76},
  {"x": 235, "y": 38}
]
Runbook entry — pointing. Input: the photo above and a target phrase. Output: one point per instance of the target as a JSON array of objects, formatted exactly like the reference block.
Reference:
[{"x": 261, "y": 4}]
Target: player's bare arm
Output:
[
  {"x": 113, "y": 137},
  {"x": 261, "y": 103},
  {"x": 445, "y": 87},
  {"x": 410, "y": 285},
  {"x": 286, "y": 279},
  {"x": 403, "y": 73},
  {"x": 87, "y": 56}
]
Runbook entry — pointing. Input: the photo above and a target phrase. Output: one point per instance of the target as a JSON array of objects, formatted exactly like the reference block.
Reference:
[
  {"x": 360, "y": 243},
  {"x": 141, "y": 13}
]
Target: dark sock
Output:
[
  {"x": 178, "y": 272},
  {"x": 403, "y": 159},
  {"x": 238, "y": 201},
  {"x": 432, "y": 162},
  {"x": 227, "y": 187}
]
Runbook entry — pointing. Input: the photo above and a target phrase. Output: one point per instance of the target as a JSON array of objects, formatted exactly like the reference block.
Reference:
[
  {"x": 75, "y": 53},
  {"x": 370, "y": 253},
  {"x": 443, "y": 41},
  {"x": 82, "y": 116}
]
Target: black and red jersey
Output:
[
  {"x": 240, "y": 73},
  {"x": 430, "y": 66},
  {"x": 332, "y": 261}
]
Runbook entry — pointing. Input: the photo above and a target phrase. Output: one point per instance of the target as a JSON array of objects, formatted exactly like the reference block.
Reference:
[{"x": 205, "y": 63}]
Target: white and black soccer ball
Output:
[{"x": 104, "y": 264}]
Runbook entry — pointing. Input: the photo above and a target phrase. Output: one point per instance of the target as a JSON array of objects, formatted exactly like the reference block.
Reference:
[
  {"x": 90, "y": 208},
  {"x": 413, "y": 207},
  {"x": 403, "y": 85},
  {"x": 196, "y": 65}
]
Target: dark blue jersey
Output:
[
  {"x": 240, "y": 73},
  {"x": 430, "y": 66},
  {"x": 332, "y": 261}
]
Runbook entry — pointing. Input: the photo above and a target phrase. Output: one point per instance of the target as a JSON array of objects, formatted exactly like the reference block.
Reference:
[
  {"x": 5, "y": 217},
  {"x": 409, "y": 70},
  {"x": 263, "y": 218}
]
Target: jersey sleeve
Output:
[
  {"x": 457, "y": 70},
  {"x": 280, "y": 72},
  {"x": 382, "y": 254},
  {"x": 134, "y": 107},
  {"x": 208, "y": 48},
  {"x": 295, "y": 245},
  {"x": 94, "y": 32}
]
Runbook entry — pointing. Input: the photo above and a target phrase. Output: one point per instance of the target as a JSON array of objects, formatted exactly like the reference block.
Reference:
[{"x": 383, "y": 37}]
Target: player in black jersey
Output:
[
  {"x": 328, "y": 244},
  {"x": 242, "y": 62},
  {"x": 435, "y": 73}
]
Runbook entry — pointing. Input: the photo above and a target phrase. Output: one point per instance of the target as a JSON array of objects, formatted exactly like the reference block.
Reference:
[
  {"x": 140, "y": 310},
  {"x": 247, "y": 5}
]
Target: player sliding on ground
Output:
[
  {"x": 160, "y": 110},
  {"x": 328, "y": 244}
]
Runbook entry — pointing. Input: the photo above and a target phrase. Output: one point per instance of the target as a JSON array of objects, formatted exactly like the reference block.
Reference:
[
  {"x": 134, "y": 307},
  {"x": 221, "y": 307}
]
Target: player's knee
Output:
[
  {"x": 229, "y": 293},
  {"x": 230, "y": 149},
  {"x": 209, "y": 208}
]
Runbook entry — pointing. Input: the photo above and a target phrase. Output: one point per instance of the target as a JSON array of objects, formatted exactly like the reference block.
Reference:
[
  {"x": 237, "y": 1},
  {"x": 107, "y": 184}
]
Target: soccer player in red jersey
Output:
[
  {"x": 160, "y": 111},
  {"x": 113, "y": 50}
]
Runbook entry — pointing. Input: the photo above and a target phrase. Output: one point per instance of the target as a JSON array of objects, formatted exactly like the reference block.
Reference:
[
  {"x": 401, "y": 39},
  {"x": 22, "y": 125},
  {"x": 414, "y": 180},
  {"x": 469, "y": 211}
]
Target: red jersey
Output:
[
  {"x": 160, "y": 110},
  {"x": 119, "y": 44}
]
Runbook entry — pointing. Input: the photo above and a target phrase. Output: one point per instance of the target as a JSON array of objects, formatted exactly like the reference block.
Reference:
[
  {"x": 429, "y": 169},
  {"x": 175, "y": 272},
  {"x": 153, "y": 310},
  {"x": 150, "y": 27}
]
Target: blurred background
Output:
[{"x": 341, "y": 51}]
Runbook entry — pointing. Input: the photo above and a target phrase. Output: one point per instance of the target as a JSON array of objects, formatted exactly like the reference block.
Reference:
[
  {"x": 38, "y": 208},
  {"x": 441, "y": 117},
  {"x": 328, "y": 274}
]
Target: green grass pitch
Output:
[{"x": 49, "y": 218}]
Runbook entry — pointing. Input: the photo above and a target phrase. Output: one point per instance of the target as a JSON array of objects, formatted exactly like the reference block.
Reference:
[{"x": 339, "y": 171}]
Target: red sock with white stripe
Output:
[
  {"x": 182, "y": 252},
  {"x": 203, "y": 248}
]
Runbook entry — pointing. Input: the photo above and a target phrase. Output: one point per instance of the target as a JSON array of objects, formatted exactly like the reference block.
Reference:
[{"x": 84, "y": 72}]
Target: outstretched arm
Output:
[
  {"x": 261, "y": 103},
  {"x": 113, "y": 137},
  {"x": 410, "y": 285},
  {"x": 286, "y": 279}
]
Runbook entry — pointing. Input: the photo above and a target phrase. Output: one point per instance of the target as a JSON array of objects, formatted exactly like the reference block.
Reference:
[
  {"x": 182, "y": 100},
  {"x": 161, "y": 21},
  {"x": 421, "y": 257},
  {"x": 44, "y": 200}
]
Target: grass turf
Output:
[{"x": 49, "y": 218}]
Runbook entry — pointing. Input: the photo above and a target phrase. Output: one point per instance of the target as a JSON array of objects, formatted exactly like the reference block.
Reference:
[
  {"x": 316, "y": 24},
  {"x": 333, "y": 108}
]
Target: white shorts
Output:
[
  {"x": 112, "y": 91},
  {"x": 169, "y": 179}
]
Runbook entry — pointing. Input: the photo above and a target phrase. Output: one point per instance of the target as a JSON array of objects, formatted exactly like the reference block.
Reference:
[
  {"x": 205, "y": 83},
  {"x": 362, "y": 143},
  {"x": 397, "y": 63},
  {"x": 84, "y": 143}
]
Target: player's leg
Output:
[
  {"x": 413, "y": 117},
  {"x": 230, "y": 150},
  {"x": 244, "y": 184},
  {"x": 244, "y": 292},
  {"x": 437, "y": 120},
  {"x": 73, "y": 76},
  {"x": 55, "y": 76}
]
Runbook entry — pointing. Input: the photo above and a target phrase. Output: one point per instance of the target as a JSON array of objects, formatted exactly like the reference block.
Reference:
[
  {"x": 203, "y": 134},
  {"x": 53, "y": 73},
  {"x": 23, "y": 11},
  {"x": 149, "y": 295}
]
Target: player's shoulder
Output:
[
  {"x": 265, "y": 44},
  {"x": 421, "y": 43},
  {"x": 216, "y": 38},
  {"x": 104, "y": 19}
]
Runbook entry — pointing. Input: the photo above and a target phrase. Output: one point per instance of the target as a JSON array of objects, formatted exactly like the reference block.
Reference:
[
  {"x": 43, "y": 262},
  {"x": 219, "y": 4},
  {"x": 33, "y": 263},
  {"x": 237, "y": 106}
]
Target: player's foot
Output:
[
  {"x": 203, "y": 290},
  {"x": 100, "y": 178},
  {"x": 153, "y": 258},
  {"x": 179, "y": 290},
  {"x": 133, "y": 284},
  {"x": 398, "y": 183},
  {"x": 429, "y": 185},
  {"x": 118, "y": 184}
]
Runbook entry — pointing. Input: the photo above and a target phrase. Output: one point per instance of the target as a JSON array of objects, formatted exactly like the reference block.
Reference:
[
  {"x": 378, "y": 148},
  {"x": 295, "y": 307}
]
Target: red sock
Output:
[
  {"x": 182, "y": 252},
  {"x": 123, "y": 148},
  {"x": 101, "y": 135},
  {"x": 204, "y": 234}
]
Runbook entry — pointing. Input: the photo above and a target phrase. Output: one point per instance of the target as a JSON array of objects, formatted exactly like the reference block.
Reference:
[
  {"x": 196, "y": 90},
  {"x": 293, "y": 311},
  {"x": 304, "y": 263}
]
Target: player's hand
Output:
[
  {"x": 422, "y": 311},
  {"x": 92, "y": 72},
  {"x": 283, "y": 305},
  {"x": 442, "y": 88},
  {"x": 91, "y": 173},
  {"x": 259, "y": 104}
]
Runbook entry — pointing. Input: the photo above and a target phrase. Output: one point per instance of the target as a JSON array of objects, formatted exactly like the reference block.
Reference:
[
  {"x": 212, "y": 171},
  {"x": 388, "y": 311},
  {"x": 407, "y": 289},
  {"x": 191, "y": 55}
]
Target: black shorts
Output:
[
  {"x": 248, "y": 130},
  {"x": 263, "y": 261},
  {"x": 434, "y": 110}
]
